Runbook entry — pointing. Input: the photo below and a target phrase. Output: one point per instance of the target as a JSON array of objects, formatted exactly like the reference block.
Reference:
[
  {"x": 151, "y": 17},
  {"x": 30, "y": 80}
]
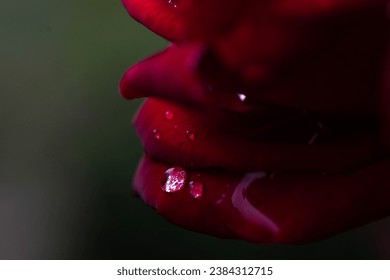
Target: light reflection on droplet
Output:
[
  {"x": 175, "y": 179},
  {"x": 190, "y": 135},
  {"x": 156, "y": 134},
  {"x": 172, "y": 3},
  {"x": 196, "y": 189},
  {"x": 168, "y": 115},
  {"x": 241, "y": 96}
]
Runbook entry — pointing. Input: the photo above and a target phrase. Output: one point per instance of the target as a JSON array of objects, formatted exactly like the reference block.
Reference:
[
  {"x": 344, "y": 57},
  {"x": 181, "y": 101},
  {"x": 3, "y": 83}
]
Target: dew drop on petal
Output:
[
  {"x": 168, "y": 115},
  {"x": 196, "y": 189},
  {"x": 173, "y": 3},
  {"x": 241, "y": 96},
  {"x": 175, "y": 179},
  {"x": 190, "y": 135},
  {"x": 156, "y": 134}
]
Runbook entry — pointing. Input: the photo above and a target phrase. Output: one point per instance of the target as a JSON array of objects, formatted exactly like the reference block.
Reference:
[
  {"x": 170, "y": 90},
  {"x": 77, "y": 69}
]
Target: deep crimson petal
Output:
[
  {"x": 172, "y": 75},
  {"x": 176, "y": 20},
  {"x": 289, "y": 209},
  {"x": 319, "y": 63},
  {"x": 245, "y": 143},
  {"x": 257, "y": 206},
  {"x": 317, "y": 8},
  {"x": 167, "y": 75},
  {"x": 208, "y": 18},
  {"x": 335, "y": 80},
  {"x": 259, "y": 36},
  {"x": 343, "y": 77},
  {"x": 158, "y": 16},
  {"x": 286, "y": 51}
]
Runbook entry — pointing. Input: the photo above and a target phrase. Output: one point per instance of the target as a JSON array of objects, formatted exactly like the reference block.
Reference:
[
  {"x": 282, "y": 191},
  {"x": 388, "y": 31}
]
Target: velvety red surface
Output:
[{"x": 279, "y": 109}]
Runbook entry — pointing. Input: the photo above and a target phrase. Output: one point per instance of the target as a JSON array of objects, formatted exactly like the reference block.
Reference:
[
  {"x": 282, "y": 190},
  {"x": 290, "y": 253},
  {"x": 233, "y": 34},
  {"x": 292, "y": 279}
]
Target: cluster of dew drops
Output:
[
  {"x": 169, "y": 116},
  {"x": 176, "y": 177}
]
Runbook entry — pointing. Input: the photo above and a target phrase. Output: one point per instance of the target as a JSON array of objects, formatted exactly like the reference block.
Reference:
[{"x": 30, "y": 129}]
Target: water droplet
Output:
[
  {"x": 196, "y": 189},
  {"x": 168, "y": 115},
  {"x": 190, "y": 135},
  {"x": 172, "y": 3},
  {"x": 241, "y": 96},
  {"x": 156, "y": 134},
  {"x": 175, "y": 179}
]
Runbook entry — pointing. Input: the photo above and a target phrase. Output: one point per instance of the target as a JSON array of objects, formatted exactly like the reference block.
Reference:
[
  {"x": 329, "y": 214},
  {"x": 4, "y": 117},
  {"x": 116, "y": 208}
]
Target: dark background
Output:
[{"x": 68, "y": 152}]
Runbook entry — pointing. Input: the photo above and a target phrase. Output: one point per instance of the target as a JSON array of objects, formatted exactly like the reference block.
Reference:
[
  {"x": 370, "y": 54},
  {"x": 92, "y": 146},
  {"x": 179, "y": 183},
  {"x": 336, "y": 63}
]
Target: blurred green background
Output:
[{"x": 68, "y": 152}]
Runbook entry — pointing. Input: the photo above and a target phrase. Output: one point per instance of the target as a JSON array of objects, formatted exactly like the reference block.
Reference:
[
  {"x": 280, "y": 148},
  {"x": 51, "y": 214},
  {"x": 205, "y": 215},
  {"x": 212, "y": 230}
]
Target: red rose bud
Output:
[{"x": 266, "y": 120}]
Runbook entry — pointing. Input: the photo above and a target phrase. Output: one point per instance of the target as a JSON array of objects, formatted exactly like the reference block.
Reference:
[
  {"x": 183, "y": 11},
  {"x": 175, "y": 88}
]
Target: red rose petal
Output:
[
  {"x": 158, "y": 16},
  {"x": 171, "y": 75},
  {"x": 168, "y": 75},
  {"x": 287, "y": 209},
  {"x": 343, "y": 78},
  {"x": 321, "y": 8},
  {"x": 322, "y": 64},
  {"x": 234, "y": 142}
]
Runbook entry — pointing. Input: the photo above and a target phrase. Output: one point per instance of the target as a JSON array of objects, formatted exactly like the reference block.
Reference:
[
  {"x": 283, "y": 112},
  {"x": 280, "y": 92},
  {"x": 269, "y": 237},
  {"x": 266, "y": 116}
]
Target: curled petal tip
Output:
[
  {"x": 126, "y": 88},
  {"x": 158, "y": 16}
]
